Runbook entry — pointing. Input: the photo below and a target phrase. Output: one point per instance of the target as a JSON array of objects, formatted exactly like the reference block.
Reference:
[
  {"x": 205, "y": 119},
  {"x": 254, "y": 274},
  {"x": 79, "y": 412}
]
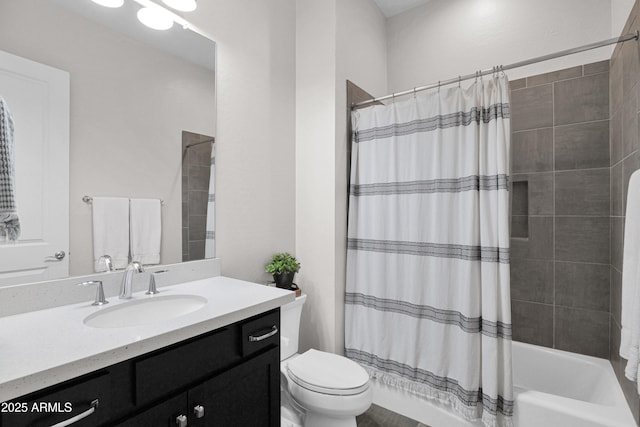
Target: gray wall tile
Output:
[
  {"x": 532, "y": 151},
  {"x": 583, "y": 192},
  {"x": 583, "y": 99},
  {"x": 617, "y": 237},
  {"x": 540, "y": 190},
  {"x": 532, "y": 108},
  {"x": 539, "y": 245},
  {"x": 518, "y": 84},
  {"x": 615, "y": 138},
  {"x": 197, "y": 227},
  {"x": 567, "y": 73},
  {"x": 582, "y": 331},
  {"x": 582, "y": 146},
  {"x": 630, "y": 66},
  {"x": 519, "y": 197},
  {"x": 616, "y": 190},
  {"x": 520, "y": 226},
  {"x": 615, "y": 86},
  {"x": 532, "y": 323},
  {"x": 629, "y": 123},
  {"x": 532, "y": 280},
  {"x": 629, "y": 166},
  {"x": 596, "y": 67},
  {"x": 582, "y": 239},
  {"x": 616, "y": 295},
  {"x": 582, "y": 285}
]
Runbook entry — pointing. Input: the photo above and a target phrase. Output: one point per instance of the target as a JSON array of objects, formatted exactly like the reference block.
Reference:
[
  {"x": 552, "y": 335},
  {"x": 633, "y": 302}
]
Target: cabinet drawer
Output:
[
  {"x": 62, "y": 402},
  {"x": 182, "y": 364},
  {"x": 260, "y": 332}
]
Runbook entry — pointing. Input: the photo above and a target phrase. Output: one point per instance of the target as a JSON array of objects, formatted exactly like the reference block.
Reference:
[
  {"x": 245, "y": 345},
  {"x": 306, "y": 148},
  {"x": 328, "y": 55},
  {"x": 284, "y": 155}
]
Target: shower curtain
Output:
[{"x": 427, "y": 297}]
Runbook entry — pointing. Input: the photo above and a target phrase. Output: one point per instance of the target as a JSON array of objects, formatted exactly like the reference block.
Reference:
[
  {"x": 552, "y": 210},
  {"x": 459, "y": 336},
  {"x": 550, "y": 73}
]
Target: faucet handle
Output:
[
  {"x": 107, "y": 262},
  {"x": 152, "y": 282},
  {"x": 100, "y": 299}
]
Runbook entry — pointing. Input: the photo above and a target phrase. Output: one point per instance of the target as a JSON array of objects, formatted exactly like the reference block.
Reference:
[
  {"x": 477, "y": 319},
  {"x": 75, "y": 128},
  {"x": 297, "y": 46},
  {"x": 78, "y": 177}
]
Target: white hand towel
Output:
[
  {"x": 630, "y": 339},
  {"x": 110, "y": 231},
  {"x": 146, "y": 230}
]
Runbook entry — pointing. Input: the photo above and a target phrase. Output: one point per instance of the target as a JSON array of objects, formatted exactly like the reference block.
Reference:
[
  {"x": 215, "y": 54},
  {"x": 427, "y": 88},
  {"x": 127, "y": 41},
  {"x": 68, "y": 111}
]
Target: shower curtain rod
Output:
[
  {"x": 477, "y": 74},
  {"x": 193, "y": 144}
]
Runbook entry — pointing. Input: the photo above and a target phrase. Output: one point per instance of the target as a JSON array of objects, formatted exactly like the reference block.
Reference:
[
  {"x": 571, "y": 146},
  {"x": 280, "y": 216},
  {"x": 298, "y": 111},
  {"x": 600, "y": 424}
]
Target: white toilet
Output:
[{"x": 318, "y": 389}]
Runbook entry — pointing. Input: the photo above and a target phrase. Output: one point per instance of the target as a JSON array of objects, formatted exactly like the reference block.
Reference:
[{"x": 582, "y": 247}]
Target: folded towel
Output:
[
  {"x": 630, "y": 339},
  {"x": 110, "y": 231},
  {"x": 146, "y": 230},
  {"x": 9, "y": 221}
]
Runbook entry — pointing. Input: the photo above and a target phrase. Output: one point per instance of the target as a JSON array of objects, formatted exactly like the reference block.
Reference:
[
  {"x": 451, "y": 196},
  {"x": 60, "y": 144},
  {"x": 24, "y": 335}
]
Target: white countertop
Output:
[{"x": 42, "y": 348}]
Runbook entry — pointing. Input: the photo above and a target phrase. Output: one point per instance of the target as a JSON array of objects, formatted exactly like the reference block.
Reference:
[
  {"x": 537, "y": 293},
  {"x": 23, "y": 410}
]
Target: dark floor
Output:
[{"x": 378, "y": 416}]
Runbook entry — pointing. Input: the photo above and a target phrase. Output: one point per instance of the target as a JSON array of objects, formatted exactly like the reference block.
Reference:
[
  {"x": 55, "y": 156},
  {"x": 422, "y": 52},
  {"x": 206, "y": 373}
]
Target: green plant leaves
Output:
[{"x": 283, "y": 263}]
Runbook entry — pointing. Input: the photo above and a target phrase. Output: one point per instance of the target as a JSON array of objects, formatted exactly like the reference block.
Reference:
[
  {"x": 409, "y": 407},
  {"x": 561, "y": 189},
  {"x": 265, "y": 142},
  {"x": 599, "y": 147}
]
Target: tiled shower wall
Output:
[
  {"x": 196, "y": 168},
  {"x": 560, "y": 246},
  {"x": 625, "y": 159}
]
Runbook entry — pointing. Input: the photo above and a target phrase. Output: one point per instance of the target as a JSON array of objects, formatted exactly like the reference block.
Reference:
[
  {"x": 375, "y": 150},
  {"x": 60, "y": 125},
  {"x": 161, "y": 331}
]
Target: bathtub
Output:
[{"x": 551, "y": 388}]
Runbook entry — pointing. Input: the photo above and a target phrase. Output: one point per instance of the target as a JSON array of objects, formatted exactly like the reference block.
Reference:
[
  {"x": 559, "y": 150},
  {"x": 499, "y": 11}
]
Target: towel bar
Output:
[{"x": 89, "y": 199}]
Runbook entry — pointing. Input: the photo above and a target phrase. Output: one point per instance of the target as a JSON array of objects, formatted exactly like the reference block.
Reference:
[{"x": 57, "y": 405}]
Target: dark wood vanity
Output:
[{"x": 227, "y": 377}]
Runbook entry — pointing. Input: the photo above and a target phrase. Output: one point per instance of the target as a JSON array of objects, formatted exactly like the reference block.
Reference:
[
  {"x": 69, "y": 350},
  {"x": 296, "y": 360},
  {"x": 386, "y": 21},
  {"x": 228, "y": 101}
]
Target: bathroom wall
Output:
[
  {"x": 560, "y": 224},
  {"x": 445, "y": 38},
  {"x": 335, "y": 41},
  {"x": 625, "y": 159},
  {"x": 255, "y": 132}
]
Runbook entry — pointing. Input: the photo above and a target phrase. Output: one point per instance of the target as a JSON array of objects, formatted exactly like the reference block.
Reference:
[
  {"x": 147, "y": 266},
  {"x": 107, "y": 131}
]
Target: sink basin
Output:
[{"x": 145, "y": 311}]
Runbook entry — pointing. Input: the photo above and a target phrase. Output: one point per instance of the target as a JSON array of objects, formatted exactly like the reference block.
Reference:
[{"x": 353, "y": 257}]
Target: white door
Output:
[{"x": 38, "y": 99}]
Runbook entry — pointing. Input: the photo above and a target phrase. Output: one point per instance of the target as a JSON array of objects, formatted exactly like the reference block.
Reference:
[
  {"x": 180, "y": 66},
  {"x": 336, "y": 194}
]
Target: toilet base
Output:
[{"x": 323, "y": 420}]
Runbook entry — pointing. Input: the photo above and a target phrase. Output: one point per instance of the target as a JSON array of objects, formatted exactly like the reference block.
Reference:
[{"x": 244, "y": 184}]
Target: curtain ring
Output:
[
  {"x": 438, "y": 85},
  {"x": 459, "y": 80},
  {"x": 414, "y": 92}
]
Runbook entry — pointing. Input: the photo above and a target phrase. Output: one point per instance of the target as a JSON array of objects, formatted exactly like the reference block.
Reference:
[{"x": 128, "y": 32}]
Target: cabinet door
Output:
[
  {"x": 87, "y": 398},
  {"x": 164, "y": 414},
  {"x": 247, "y": 395}
]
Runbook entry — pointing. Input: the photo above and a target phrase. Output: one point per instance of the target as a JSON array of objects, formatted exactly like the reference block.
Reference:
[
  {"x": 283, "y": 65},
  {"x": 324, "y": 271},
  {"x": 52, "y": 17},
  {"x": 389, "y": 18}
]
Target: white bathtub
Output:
[{"x": 552, "y": 388}]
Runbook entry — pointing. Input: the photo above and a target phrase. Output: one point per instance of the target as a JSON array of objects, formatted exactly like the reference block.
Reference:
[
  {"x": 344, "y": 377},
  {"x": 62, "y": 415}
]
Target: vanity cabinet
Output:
[{"x": 227, "y": 377}]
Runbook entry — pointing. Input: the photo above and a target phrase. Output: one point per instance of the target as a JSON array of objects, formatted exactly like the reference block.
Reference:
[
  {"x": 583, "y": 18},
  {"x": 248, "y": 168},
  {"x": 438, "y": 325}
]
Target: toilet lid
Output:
[{"x": 328, "y": 373}]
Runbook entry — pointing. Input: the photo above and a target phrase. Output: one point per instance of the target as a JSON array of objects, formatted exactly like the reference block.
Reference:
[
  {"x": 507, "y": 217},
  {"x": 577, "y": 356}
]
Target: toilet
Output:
[{"x": 318, "y": 389}]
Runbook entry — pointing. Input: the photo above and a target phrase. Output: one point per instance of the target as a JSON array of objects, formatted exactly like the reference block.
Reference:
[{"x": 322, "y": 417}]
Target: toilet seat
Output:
[{"x": 328, "y": 373}]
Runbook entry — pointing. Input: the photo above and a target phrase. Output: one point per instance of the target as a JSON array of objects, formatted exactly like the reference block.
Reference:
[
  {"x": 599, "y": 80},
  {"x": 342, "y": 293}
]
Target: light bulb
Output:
[
  {"x": 155, "y": 17},
  {"x": 182, "y": 5},
  {"x": 109, "y": 3}
]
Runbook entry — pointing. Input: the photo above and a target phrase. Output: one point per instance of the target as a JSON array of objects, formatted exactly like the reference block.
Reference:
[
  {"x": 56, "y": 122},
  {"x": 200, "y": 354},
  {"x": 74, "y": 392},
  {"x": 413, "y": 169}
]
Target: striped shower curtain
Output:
[{"x": 427, "y": 298}]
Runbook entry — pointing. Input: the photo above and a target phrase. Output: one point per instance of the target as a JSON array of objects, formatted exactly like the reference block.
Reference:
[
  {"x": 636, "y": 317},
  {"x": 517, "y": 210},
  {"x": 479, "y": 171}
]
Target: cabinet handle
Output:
[
  {"x": 198, "y": 411},
  {"x": 274, "y": 330},
  {"x": 181, "y": 421},
  {"x": 85, "y": 414}
]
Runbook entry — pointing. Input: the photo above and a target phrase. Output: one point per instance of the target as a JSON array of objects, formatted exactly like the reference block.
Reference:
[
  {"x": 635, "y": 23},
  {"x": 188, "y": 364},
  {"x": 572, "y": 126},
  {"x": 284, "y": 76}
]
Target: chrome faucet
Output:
[
  {"x": 100, "y": 299},
  {"x": 107, "y": 262},
  {"x": 126, "y": 290}
]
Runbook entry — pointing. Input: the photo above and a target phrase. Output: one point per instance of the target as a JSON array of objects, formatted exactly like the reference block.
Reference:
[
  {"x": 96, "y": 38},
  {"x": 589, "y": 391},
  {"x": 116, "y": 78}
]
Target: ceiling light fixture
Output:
[
  {"x": 182, "y": 5},
  {"x": 155, "y": 17},
  {"x": 109, "y": 3}
]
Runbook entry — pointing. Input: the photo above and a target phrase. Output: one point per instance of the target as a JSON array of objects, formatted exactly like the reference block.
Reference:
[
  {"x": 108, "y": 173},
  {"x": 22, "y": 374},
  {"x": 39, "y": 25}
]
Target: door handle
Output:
[{"x": 58, "y": 256}]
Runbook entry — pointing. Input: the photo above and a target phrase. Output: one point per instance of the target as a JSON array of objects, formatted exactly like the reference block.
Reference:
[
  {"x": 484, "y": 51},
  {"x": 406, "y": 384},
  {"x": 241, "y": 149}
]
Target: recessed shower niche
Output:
[{"x": 520, "y": 209}]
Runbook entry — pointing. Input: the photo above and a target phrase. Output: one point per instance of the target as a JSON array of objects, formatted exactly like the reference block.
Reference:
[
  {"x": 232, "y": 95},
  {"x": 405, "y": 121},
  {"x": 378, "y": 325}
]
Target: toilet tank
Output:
[{"x": 290, "y": 327}]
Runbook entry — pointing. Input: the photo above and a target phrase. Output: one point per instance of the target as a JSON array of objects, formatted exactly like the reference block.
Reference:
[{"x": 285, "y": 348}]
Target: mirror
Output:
[{"x": 134, "y": 95}]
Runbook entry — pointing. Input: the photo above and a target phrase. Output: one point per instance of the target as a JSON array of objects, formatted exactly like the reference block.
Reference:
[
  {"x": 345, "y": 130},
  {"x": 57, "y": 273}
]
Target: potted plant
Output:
[{"x": 283, "y": 267}]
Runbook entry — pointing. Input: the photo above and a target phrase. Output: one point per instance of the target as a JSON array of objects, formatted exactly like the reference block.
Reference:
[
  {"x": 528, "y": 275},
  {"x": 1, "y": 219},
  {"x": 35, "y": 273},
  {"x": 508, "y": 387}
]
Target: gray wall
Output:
[
  {"x": 625, "y": 73},
  {"x": 560, "y": 224}
]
